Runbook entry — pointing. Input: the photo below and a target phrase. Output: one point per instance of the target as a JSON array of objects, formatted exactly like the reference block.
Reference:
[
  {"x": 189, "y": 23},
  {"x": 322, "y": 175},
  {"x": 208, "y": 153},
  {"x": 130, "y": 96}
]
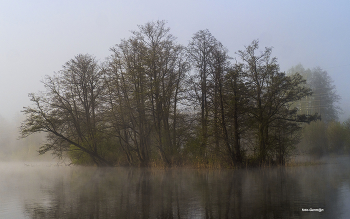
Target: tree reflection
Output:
[{"x": 179, "y": 193}]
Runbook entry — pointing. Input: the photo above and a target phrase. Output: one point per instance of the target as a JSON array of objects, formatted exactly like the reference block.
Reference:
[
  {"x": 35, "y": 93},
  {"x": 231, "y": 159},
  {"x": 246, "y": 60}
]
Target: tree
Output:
[
  {"x": 324, "y": 98},
  {"x": 200, "y": 54},
  {"x": 336, "y": 135},
  {"x": 70, "y": 111},
  {"x": 234, "y": 107},
  {"x": 165, "y": 66},
  {"x": 314, "y": 139},
  {"x": 271, "y": 94},
  {"x": 146, "y": 74},
  {"x": 346, "y": 126},
  {"x": 324, "y": 95},
  {"x": 220, "y": 70}
]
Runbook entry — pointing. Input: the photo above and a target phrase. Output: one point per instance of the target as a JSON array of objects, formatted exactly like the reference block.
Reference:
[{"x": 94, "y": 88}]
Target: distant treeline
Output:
[
  {"x": 321, "y": 138},
  {"x": 156, "y": 102},
  {"x": 326, "y": 136}
]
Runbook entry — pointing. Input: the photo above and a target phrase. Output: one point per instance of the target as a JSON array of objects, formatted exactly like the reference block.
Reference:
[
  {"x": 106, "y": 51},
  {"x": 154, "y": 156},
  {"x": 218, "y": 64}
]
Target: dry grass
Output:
[{"x": 293, "y": 163}]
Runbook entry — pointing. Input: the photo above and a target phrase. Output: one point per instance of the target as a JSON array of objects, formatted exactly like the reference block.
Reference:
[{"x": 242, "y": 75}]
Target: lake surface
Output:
[{"x": 43, "y": 190}]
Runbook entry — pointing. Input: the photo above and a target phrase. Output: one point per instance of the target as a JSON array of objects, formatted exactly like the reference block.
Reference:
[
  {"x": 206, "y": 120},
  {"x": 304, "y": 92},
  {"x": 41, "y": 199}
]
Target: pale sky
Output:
[{"x": 38, "y": 37}]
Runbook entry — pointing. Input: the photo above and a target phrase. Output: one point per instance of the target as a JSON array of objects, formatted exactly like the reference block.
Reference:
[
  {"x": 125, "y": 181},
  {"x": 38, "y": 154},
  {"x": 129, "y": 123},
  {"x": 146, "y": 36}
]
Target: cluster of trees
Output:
[
  {"x": 321, "y": 138},
  {"x": 327, "y": 135},
  {"x": 156, "y": 101}
]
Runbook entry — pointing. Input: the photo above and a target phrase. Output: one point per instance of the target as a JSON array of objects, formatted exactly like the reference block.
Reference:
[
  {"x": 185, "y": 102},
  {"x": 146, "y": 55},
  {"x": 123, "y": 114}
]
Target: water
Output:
[{"x": 42, "y": 190}]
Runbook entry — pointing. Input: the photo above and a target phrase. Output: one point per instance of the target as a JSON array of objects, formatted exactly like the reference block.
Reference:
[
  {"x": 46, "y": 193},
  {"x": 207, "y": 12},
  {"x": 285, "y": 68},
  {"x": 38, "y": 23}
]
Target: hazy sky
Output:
[{"x": 38, "y": 37}]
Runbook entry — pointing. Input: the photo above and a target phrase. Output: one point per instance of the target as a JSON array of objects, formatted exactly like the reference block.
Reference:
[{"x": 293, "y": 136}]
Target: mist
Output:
[
  {"x": 302, "y": 172},
  {"x": 13, "y": 148}
]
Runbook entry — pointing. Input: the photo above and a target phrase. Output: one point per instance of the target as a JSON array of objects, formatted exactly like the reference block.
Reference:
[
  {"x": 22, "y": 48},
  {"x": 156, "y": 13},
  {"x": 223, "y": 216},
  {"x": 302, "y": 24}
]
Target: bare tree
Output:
[
  {"x": 148, "y": 72},
  {"x": 200, "y": 53},
  {"x": 70, "y": 111}
]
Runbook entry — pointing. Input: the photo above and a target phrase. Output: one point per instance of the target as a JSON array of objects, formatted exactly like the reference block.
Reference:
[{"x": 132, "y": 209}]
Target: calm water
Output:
[{"x": 49, "y": 191}]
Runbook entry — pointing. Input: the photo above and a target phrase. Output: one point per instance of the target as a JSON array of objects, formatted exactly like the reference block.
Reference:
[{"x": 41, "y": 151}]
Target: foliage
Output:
[
  {"x": 336, "y": 135},
  {"x": 320, "y": 138}
]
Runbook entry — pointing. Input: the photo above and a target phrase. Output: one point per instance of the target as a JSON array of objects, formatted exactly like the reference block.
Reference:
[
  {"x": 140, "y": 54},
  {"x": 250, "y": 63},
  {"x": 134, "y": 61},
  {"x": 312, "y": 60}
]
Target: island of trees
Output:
[{"x": 156, "y": 102}]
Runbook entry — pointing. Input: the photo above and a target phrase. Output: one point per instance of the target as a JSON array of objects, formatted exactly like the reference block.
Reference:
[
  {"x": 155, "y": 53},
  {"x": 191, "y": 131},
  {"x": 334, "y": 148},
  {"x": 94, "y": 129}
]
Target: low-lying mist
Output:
[{"x": 14, "y": 148}]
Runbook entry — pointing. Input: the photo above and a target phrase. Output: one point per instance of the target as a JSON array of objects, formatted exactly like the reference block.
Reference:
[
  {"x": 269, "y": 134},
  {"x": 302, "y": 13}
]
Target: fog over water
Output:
[
  {"x": 45, "y": 190},
  {"x": 38, "y": 37}
]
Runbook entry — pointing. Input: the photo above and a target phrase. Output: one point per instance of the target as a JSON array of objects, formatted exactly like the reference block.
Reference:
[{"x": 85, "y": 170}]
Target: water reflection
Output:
[{"x": 81, "y": 192}]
